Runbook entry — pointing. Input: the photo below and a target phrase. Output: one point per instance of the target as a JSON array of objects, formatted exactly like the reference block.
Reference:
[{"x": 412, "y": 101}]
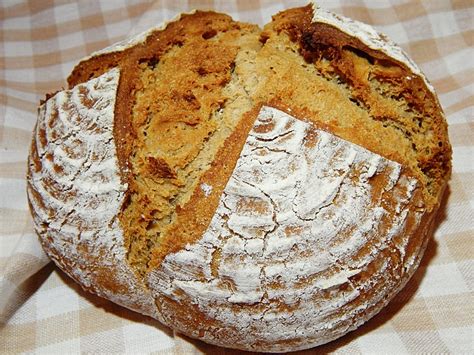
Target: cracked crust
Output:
[
  {"x": 263, "y": 190},
  {"x": 307, "y": 242}
]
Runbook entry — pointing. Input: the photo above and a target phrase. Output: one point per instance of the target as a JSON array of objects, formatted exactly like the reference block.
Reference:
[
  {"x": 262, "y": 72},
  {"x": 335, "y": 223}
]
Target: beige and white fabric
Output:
[{"x": 43, "y": 311}]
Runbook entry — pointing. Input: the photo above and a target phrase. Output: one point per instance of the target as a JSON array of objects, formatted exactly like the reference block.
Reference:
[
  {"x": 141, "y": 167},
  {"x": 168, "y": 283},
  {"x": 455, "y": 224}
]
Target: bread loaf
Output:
[{"x": 261, "y": 189}]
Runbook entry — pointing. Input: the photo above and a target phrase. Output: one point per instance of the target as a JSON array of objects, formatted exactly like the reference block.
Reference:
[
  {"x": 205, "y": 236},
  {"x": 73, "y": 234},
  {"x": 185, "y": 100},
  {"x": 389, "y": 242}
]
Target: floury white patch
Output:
[
  {"x": 80, "y": 181},
  {"x": 207, "y": 189},
  {"x": 292, "y": 222}
]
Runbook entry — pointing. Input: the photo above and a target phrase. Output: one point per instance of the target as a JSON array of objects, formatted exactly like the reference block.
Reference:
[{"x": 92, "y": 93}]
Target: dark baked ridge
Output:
[{"x": 313, "y": 71}]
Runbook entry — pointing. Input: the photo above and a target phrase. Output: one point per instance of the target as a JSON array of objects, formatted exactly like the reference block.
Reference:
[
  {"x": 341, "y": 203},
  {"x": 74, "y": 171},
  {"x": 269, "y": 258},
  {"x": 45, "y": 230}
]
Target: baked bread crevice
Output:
[{"x": 202, "y": 83}]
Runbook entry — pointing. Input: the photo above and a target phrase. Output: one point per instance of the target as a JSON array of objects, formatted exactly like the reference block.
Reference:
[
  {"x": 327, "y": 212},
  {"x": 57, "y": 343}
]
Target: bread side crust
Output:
[{"x": 75, "y": 192}]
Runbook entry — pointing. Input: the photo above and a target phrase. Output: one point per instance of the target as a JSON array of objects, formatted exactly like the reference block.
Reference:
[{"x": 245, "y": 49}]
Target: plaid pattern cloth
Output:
[{"x": 43, "y": 311}]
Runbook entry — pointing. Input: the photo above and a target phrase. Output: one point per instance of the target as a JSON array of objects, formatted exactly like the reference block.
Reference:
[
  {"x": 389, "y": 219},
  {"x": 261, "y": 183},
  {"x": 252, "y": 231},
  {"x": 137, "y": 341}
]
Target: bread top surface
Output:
[
  {"x": 380, "y": 102},
  {"x": 176, "y": 159},
  {"x": 346, "y": 84}
]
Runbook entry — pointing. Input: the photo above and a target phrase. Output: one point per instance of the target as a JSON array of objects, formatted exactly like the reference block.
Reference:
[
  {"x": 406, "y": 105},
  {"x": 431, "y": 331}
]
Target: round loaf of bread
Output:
[{"x": 265, "y": 190}]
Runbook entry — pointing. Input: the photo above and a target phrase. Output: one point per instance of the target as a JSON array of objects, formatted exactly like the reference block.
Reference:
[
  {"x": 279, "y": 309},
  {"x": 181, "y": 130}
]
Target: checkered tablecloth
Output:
[{"x": 42, "y": 310}]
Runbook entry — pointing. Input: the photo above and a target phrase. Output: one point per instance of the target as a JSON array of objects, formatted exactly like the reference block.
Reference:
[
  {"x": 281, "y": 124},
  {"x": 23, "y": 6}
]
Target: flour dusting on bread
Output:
[
  {"x": 76, "y": 192},
  {"x": 291, "y": 225}
]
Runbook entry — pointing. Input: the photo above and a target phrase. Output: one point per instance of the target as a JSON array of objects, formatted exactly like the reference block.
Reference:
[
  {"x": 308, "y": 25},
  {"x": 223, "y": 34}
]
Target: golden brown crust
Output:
[
  {"x": 188, "y": 67},
  {"x": 198, "y": 24},
  {"x": 376, "y": 83},
  {"x": 194, "y": 217}
]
